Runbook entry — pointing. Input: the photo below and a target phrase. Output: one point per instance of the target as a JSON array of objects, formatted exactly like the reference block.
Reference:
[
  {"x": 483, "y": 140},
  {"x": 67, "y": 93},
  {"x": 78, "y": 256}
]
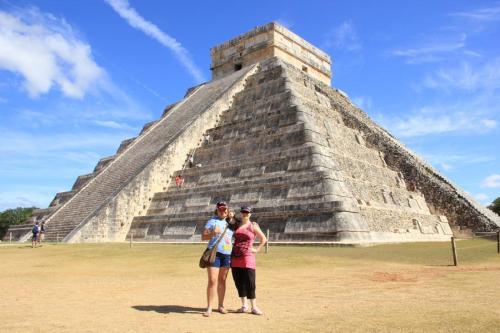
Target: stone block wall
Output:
[
  {"x": 441, "y": 195},
  {"x": 265, "y": 42}
]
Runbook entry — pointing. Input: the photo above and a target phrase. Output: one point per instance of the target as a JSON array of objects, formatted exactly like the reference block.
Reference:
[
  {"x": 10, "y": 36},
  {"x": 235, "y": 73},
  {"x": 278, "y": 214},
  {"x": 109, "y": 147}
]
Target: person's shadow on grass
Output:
[{"x": 169, "y": 309}]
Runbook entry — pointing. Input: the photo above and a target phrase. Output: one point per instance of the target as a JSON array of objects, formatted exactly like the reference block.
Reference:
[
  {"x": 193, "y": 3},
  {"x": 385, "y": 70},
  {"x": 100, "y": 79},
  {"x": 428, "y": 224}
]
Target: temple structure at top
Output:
[{"x": 265, "y": 42}]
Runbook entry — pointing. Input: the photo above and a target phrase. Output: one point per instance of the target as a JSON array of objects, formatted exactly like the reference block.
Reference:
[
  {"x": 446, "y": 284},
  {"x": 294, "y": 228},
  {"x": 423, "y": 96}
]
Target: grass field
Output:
[{"x": 159, "y": 288}]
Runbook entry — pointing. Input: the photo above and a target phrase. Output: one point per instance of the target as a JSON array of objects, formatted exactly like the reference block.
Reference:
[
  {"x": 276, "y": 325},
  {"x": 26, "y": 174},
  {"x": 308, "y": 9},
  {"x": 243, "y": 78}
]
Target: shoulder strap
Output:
[{"x": 221, "y": 236}]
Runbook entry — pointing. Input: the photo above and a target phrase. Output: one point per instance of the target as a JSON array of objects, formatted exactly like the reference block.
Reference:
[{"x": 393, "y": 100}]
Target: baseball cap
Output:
[
  {"x": 221, "y": 204},
  {"x": 246, "y": 209}
]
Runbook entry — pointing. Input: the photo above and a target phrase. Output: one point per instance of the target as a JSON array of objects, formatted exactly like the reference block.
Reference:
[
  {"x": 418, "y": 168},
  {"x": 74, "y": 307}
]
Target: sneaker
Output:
[
  {"x": 257, "y": 312},
  {"x": 243, "y": 309}
]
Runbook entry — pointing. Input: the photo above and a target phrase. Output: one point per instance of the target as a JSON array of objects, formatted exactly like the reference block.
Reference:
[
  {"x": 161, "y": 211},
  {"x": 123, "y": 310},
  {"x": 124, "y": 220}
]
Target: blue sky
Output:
[{"x": 78, "y": 77}]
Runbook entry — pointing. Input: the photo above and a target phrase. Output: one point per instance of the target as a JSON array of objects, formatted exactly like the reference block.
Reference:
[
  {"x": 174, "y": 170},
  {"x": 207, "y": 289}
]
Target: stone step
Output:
[
  {"x": 270, "y": 159},
  {"x": 147, "y": 126},
  {"x": 292, "y": 135},
  {"x": 256, "y": 93},
  {"x": 124, "y": 144},
  {"x": 284, "y": 222},
  {"x": 462, "y": 232},
  {"x": 284, "y": 210},
  {"x": 211, "y": 157},
  {"x": 277, "y": 118},
  {"x": 103, "y": 162},
  {"x": 61, "y": 198},
  {"x": 81, "y": 181},
  {"x": 284, "y": 181},
  {"x": 251, "y": 108}
]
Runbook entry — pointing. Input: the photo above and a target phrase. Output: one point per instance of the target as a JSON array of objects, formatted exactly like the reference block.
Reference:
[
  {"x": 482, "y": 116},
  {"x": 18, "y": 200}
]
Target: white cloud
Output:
[
  {"x": 433, "y": 50},
  {"x": 122, "y": 7},
  {"x": 422, "y": 123},
  {"x": 46, "y": 52},
  {"x": 343, "y": 37},
  {"x": 112, "y": 124},
  {"x": 287, "y": 23},
  {"x": 466, "y": 77},
  {"x": 489, "y": 123},
  {"x": 33, "y": 144},
  {"x": 362, "y": 102},
  {"x": 26, "y": 198},
  {"x": 481, "y": 15},
  {"x": 480, "y": 197},
  {"x": 446, "y": 166},
  {"x": 450, "y": 160},
  {"x": 492, "y": 181}
]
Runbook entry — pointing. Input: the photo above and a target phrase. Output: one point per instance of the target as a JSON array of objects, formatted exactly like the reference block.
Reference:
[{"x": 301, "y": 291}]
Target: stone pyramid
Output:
[{"x": 313, "y": 165}]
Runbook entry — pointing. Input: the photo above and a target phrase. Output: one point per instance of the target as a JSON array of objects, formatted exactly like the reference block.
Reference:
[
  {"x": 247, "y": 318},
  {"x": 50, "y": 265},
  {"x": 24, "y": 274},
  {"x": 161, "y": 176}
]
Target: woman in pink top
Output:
[{"x": 243, "y": 259}]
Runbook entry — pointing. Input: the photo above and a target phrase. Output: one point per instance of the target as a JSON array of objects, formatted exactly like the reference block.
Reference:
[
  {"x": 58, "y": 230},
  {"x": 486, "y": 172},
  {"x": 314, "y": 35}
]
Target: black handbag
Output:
[{"x": 208, "y": 256}]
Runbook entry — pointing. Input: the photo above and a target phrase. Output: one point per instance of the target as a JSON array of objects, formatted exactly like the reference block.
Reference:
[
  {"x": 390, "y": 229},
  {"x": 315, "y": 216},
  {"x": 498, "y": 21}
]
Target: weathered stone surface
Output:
[{"x": 267, "y": 41}]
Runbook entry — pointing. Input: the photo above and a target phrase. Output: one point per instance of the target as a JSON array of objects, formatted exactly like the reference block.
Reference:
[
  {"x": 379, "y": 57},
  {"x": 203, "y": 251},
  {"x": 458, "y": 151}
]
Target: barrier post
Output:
[
  {"x": 267, "y": 243},
  {"x": 10, "y": 237},
  {"x": 498, "y": 241},
  {"x": 454, "y": 249},
  {"x": 131, "y": 237},
  {"x": 57, "y": 238}
]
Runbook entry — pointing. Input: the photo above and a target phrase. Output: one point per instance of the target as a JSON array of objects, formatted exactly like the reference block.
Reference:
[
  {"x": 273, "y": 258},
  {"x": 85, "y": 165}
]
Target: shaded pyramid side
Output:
[
  {"x": 283, "y": 149},
  {"x": 443, "y": 197},
  {"x": 391, "y": 210}
]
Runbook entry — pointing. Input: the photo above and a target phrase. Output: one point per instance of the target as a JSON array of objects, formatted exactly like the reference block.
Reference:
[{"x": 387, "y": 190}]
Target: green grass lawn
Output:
[{"x": 158, "y": 287}]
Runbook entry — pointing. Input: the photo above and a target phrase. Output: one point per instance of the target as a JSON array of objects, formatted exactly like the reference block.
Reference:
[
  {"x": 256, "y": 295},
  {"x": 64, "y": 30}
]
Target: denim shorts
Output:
[{"x": 222, "y": 260}]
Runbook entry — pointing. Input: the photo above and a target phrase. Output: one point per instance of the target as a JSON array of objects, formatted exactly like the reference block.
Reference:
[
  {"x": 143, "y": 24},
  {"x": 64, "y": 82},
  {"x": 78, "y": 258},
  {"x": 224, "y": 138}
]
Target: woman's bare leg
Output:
[
  {"x": 221, "y": 286},
  {"x": 213, "y": 273}
]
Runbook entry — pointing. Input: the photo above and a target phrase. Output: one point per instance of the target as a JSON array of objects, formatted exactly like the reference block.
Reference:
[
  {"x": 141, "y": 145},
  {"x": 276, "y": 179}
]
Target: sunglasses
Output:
[{"x": 222, "y": 209}]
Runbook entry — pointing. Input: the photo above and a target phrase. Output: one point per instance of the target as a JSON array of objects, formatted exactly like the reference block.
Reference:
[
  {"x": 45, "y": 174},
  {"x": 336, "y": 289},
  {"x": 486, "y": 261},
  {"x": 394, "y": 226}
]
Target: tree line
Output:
[
  {"x": 14, "y": 216},
  {"x": 495, "y": 206}
]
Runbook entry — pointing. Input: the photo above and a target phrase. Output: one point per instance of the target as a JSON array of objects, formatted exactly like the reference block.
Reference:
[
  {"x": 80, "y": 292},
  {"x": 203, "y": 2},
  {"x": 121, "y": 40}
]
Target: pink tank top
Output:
[{"x": 242, "y": 255}]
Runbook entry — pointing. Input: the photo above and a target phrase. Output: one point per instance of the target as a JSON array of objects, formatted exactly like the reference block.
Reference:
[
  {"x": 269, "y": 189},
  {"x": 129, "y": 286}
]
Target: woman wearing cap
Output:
[
  {"x": 243, "y": 259},
  {"x": 217, "y": 273}
]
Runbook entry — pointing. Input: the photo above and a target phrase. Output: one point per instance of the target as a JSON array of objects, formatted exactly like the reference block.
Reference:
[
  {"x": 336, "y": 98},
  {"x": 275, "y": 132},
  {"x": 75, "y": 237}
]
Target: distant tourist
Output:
[
  {"x": 243, "y": 259},
  {"x": 191, "y": 161},
  {"x": 179, "y": 180},
  {"x": 35, "y": 230},
  {"x": 206, "y": 139},
  {"x": 216, "y": 228},
  {"x": 41, "y": 236}
]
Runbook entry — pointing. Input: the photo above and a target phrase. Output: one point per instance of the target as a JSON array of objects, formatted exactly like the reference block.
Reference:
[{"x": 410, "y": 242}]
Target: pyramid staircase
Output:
[{"x": 92, "y": 196}]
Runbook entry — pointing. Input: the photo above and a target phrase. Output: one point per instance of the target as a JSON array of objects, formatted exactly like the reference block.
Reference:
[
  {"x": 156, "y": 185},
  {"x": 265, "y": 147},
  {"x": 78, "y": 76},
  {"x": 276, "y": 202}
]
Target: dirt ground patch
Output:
[{"x": 159, "y": 288}]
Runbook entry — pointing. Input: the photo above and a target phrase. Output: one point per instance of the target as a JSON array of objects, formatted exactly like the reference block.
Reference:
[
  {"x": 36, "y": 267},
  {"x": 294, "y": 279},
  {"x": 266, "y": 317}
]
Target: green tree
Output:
[
  {"x": 495, "y": 206},
  {"x": 14, "y": 216}
]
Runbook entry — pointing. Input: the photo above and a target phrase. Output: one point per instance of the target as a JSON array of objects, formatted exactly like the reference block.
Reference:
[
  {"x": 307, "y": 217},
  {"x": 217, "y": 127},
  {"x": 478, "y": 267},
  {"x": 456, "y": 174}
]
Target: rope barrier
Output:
[
  {"x": 493, "y": 235},
  {"x": 475, "y": 246}
]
